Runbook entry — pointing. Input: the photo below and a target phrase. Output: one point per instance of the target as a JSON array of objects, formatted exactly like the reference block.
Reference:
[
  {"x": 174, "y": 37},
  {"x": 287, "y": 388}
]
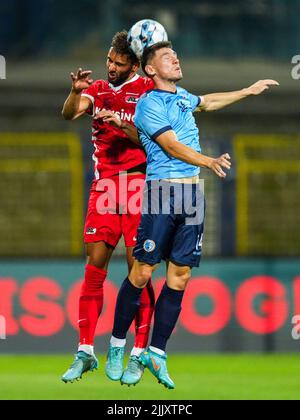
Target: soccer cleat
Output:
[
  {"x": 114, "y": 363},
  {"x": 157, "y": 365},
  {"x": 83, "y": 363},
  {"x": 133, "y": 372}
]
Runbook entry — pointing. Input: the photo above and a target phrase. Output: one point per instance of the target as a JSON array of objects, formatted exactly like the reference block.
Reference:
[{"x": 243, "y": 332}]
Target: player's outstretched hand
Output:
[
  {"x": 109, "y": 117},
  {"x": 81, "y": 80},
  {"x": 219, "y": 163},
  {"x": 262, "y": 85}
]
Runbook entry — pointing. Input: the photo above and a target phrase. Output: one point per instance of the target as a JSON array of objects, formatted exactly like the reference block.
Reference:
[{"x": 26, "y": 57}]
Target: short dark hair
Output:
[
  {"x": 121, "y": 46},
  {"x": 149, "y": 52}
]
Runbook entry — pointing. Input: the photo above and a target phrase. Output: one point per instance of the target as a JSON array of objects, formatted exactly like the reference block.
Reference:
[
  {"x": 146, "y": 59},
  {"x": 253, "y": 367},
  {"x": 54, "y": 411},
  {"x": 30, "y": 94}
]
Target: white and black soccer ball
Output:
[{"x": 145, "y": 33}]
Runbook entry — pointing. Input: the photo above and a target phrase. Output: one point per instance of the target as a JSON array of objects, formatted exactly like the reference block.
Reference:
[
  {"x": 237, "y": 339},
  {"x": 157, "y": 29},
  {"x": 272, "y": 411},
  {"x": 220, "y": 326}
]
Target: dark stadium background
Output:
[{"x": 244, "y": 296}]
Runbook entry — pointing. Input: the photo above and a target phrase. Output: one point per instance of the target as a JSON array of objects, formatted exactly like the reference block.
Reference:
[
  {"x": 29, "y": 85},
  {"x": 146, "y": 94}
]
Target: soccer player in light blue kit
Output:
[{"x": 168, "y": 132}]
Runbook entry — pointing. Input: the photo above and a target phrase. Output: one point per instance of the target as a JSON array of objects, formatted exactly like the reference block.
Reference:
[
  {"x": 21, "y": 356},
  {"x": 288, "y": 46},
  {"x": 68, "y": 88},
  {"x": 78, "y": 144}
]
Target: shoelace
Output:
[
  {"x": 133, "y": 364},
  {"x": 116, "y": 351},
  {"x": 74, "y": 363}
]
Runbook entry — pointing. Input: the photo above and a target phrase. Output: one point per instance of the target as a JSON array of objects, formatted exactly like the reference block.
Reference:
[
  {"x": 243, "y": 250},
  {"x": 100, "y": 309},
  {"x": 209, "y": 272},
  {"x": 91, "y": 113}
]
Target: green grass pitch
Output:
[{"x": 197, "y": 377}]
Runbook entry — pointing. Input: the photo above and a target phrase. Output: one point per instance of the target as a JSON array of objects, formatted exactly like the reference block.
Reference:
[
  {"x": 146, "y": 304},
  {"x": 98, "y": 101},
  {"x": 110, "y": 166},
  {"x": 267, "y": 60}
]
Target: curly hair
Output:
[{"x": 121, "y": 46}]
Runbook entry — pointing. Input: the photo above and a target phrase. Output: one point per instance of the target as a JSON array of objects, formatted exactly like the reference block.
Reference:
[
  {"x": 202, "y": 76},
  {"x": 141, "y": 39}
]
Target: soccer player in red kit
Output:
[{"x": 119, "y": 158}]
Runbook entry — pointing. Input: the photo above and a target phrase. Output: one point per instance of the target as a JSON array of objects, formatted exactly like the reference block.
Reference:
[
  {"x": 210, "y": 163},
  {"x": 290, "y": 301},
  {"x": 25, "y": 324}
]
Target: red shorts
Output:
[{"x": 114, "y": 210}]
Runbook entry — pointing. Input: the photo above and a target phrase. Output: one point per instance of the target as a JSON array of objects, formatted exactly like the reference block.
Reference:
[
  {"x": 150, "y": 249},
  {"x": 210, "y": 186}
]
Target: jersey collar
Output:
[
  {"x": 117, "y": 88},
  {"x": 165, "y": 91}
]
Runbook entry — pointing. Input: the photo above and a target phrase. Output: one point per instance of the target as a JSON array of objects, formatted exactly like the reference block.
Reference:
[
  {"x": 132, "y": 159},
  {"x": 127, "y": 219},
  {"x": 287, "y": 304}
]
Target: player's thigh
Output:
[
  {"x": 187, "y": 245},
  {"x": 129, "y": 225},
  {"x": 99, "y": 254},
  {"x": 130, "y": 258},
  {"x": 178, "y": 275},
  {"x": 101, "y": 226},
  {"x": 154, "y": 239}
]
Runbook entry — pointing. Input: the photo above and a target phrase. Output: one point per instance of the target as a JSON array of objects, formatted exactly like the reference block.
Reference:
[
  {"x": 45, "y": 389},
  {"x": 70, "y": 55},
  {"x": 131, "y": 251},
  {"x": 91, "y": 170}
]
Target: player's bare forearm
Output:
[
  {"x": 169, "y": 142},
  {"x": 131, "y": 133},
  {"x": 216, "y": 101},
  {"x": 76, "y": 105},
  {"x": 71, "y": 106},
  {"x": 186, "y": 154}
]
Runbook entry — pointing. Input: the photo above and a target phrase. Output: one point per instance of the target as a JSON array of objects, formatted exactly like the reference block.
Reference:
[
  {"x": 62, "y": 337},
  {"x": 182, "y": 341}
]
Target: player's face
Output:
[
  {"x": 119, "y": 68},
  {"x": 167, "y": 65}
]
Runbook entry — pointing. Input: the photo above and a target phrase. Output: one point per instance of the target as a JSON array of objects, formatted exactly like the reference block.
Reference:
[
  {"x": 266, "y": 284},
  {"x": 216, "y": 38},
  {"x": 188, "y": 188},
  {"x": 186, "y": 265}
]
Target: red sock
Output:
[
  {"x": 144, "y": 316},
  {"x": 90, "y": 303}
]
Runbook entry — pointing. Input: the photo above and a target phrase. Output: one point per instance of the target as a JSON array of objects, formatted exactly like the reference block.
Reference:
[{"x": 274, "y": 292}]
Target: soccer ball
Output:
[{"x": 145, "y": 33}]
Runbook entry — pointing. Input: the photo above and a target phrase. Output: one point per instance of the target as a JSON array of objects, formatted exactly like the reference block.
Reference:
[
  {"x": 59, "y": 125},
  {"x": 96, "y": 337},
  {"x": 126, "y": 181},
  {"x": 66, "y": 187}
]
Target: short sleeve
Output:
[
  {"x": 194, "y": 100},
  {"x": 151, "y": 118},
  {"x": 91, "y": 94}
]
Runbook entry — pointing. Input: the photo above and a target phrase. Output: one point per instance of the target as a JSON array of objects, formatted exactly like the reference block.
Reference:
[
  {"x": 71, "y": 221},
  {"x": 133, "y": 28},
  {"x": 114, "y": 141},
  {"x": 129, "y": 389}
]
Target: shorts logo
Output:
[
  {"x": 149, "y": 245},
  {"x": 91, "y": 231}
]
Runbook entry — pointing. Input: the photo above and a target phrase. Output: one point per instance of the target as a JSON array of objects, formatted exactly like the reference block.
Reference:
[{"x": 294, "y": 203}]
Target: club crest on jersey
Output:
[
  {"x": 184, "y": 104},
  {"x": 91, "y": 231},
  {"x": 131, "y": 99},
  {"x": 149, "y": 245}
]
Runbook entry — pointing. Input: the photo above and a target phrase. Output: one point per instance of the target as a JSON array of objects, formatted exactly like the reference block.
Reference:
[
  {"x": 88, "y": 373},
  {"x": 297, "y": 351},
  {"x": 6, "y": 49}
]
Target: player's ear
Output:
[
  {"x": 150, "y": 71},
  {"x": 136, "y": 66}
]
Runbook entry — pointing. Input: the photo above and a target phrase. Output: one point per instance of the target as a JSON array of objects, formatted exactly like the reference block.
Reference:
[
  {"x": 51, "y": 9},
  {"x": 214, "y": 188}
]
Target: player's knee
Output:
[
  {"x": 180, "y": 280},
  {"x": 93, "y": 261},
  {"x": 141, "y": 275}
]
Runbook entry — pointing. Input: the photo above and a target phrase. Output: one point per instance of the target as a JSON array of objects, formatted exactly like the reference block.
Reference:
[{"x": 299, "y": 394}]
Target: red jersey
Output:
[{"x": 114, "y": 152}]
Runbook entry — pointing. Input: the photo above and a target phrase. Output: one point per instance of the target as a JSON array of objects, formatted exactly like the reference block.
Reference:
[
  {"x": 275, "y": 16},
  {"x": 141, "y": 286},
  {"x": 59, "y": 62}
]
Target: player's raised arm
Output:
[
  {"x": 76, "y": 105},
  {"x": 169, "y": 142},
  {"x": 216, "y": 101}
]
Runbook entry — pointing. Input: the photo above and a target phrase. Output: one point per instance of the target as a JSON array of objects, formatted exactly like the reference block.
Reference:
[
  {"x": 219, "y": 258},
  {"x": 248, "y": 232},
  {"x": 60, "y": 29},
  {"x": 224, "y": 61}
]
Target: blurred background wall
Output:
[{"x": 45, "y": 162}]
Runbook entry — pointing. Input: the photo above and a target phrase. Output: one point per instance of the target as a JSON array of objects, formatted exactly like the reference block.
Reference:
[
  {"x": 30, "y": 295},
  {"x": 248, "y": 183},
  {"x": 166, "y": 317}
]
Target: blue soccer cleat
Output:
[
  {"x": 133, "y": 372},
  {"x": 83, "y": 363},
  {"x": 114, "y": 364},
  {"x": 157, "y": 365}
]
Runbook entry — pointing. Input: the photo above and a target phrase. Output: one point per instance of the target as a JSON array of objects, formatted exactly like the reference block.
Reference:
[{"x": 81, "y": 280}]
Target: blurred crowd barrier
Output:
[
  {"x": 45, "y": 180},
  {"x": 46, "y": 166}
]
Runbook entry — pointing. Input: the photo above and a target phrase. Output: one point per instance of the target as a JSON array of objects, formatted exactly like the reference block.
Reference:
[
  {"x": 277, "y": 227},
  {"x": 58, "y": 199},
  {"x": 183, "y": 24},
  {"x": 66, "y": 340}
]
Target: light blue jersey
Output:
[{"x": 157, "y": 112}]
